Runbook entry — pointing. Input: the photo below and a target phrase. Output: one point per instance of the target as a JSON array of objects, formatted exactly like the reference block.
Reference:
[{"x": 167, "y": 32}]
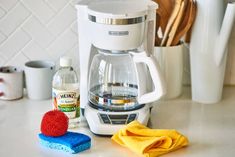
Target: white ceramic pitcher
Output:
[{"x": 211, "y": 32}]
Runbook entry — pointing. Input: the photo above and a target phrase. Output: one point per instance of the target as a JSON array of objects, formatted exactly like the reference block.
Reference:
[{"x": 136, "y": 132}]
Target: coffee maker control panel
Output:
[{"x": 117, "y": 119}]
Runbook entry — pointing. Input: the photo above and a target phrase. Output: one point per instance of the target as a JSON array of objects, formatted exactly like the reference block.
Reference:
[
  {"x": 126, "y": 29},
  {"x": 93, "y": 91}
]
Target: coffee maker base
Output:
[{"x": 108, "y": 123}]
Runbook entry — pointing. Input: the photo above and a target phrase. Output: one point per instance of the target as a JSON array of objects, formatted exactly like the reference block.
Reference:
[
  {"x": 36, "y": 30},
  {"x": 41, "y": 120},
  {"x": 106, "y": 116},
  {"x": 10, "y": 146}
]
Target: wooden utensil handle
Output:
[
  {"x": 176, "y": 24},
  {"x": 186, "y": 28},
  {"x": 171, "y": 21}
]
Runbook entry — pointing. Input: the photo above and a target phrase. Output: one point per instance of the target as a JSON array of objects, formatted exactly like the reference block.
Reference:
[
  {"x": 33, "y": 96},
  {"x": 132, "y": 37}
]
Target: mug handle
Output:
[
  {"x": 155, "y": 73},
  {"x": 1, "y": 93}
]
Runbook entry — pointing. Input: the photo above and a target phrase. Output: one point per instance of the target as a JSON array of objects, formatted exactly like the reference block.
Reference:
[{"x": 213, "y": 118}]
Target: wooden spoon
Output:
[
  {"x": 171, "y": 21},
  {"x": 164, "y": 12},
  {"x": 176, "y": 23},
  {"x": 162, "y": 16},
  {"x": 157, "y": 38},
  {"x": 186, "y": 24},
  {"x": 184, "y": 21}
]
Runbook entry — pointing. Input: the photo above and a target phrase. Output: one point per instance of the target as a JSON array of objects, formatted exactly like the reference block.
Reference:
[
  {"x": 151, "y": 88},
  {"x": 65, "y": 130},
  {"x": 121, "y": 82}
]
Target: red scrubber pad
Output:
[{"x": 54, "y": 123}]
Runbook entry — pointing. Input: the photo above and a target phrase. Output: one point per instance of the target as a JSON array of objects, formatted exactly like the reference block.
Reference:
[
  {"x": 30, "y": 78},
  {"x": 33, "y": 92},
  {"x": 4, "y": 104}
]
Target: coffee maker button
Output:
[
  {"x": 106, "y": 121},
  {"x": 112, "y": 117},
  {"x": 131, "y": 118},
  {"x": 105, "y": 118},
  {"x": 119, "y": 122}
]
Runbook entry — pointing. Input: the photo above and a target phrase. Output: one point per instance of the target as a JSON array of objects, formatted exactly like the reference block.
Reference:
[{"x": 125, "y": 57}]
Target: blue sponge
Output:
[{"x": 70, "y": 142}]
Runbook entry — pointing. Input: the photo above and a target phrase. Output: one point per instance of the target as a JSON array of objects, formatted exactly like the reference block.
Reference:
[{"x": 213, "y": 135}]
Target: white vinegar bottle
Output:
[{"x": 65, "y": 91}]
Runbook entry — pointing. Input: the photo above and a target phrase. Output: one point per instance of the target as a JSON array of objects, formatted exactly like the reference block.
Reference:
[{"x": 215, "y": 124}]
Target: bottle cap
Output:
[{"x": 65, "y": 62}]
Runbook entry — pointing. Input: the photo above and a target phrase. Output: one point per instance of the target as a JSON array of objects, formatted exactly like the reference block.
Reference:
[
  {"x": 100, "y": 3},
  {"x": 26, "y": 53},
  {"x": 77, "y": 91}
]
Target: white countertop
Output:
[{"x": 210, "y": 128}]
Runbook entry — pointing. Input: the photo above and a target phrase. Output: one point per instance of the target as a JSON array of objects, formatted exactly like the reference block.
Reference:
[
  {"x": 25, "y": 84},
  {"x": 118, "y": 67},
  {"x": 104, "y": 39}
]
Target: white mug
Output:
[
  {"x": 39, "y": 75},
  {"x": 11, "y": 83}
]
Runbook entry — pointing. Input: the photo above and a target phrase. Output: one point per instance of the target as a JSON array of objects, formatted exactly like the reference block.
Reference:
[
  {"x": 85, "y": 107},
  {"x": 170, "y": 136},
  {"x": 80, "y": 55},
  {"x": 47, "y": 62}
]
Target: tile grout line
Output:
[
  {"x": 50, "y": 6},
  {"x": 51, "y": 34},
  {"x": 8, "y": 10},
  {"x": 19, "y": 27},
  {"x": 45, "y": 50},
  {"x": 5, "y": 12},
  {"x": 71, "y": 26},
  {"x": 20, "y": 50},
  {"x": 25, "y": 55},
  {"x": 61, "y": 34},
  {"x": 4, "y": 39},
  {"x": 58, "y": 12},
  {"x": 32, "y": 12}
]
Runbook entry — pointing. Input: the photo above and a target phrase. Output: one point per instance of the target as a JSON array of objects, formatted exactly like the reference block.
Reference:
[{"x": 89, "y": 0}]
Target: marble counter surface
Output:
[{"x": 210, "y": 128}]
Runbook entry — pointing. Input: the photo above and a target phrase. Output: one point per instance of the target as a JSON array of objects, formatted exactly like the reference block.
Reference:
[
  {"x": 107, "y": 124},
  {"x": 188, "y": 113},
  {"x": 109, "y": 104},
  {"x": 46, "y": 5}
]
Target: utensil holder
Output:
[{"x": 171, "y": 63}]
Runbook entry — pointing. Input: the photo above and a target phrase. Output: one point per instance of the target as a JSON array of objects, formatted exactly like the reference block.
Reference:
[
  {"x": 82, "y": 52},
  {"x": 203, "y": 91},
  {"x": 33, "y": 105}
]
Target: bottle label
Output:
[{"x": 67, "y": 102}]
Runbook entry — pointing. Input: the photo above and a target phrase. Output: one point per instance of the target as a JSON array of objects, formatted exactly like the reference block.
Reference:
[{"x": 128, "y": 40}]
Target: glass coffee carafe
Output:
[{"x": 114, "y": 82}]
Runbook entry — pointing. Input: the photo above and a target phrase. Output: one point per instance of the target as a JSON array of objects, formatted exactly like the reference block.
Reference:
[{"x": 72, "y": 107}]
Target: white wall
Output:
[
  {"x": 37, "y": 29},
  {"x": 46, "y": 29}
]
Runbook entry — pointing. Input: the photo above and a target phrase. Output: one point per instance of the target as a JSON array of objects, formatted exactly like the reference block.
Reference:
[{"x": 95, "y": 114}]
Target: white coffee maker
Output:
[{"x": 112, "y": 32}]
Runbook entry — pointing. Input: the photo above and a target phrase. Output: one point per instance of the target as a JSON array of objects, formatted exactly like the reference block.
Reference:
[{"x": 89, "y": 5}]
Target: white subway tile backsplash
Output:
[
  {"x": 74, "y": 27},
  {"x": 62, "y": 44},
  {"x": 2, "y": 12},
  {"x": 73, "y": 53},
  {"x": 38, "y": 32},
  {"x": 74, "y": 2},
  {"x": 34, "y": 52},
  {"x": 18, "y": 60},
  {"x": 2, "y": 37},
  {"x": 2, "y": 59},
  {"x": 57, "y": 4},
  {"x": 40, "y": 9},
  {"x": 62, "y": 20},
  {"x": 47, "y": 29},
  {"x": 14, "y": 44},
  {"x": 13, "y": 19},
  {"x": 36, "y": 29},
  {"x": 8, "y": 4}
]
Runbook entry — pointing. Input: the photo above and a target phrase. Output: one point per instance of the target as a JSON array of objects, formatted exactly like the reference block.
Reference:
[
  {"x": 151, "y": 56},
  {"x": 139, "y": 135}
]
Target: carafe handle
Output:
[{"x": 154, "y": 69}]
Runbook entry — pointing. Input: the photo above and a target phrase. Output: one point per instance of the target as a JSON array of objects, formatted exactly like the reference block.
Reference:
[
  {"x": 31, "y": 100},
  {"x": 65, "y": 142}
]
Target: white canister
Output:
[
  {"x": 11, "y": 83},
  {"x": 170, "y": 60},
  {"x": 39, "y": 75}
]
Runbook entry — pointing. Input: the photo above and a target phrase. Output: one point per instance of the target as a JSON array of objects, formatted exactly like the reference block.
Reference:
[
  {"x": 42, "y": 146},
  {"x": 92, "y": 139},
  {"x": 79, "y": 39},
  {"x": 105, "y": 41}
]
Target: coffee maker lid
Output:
[{"x": 120, "y": 9}]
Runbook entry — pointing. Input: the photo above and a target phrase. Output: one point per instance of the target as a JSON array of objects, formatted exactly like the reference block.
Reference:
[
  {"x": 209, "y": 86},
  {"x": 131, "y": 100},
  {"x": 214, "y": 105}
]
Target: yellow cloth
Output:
[{"x": 149, "y": 142}]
